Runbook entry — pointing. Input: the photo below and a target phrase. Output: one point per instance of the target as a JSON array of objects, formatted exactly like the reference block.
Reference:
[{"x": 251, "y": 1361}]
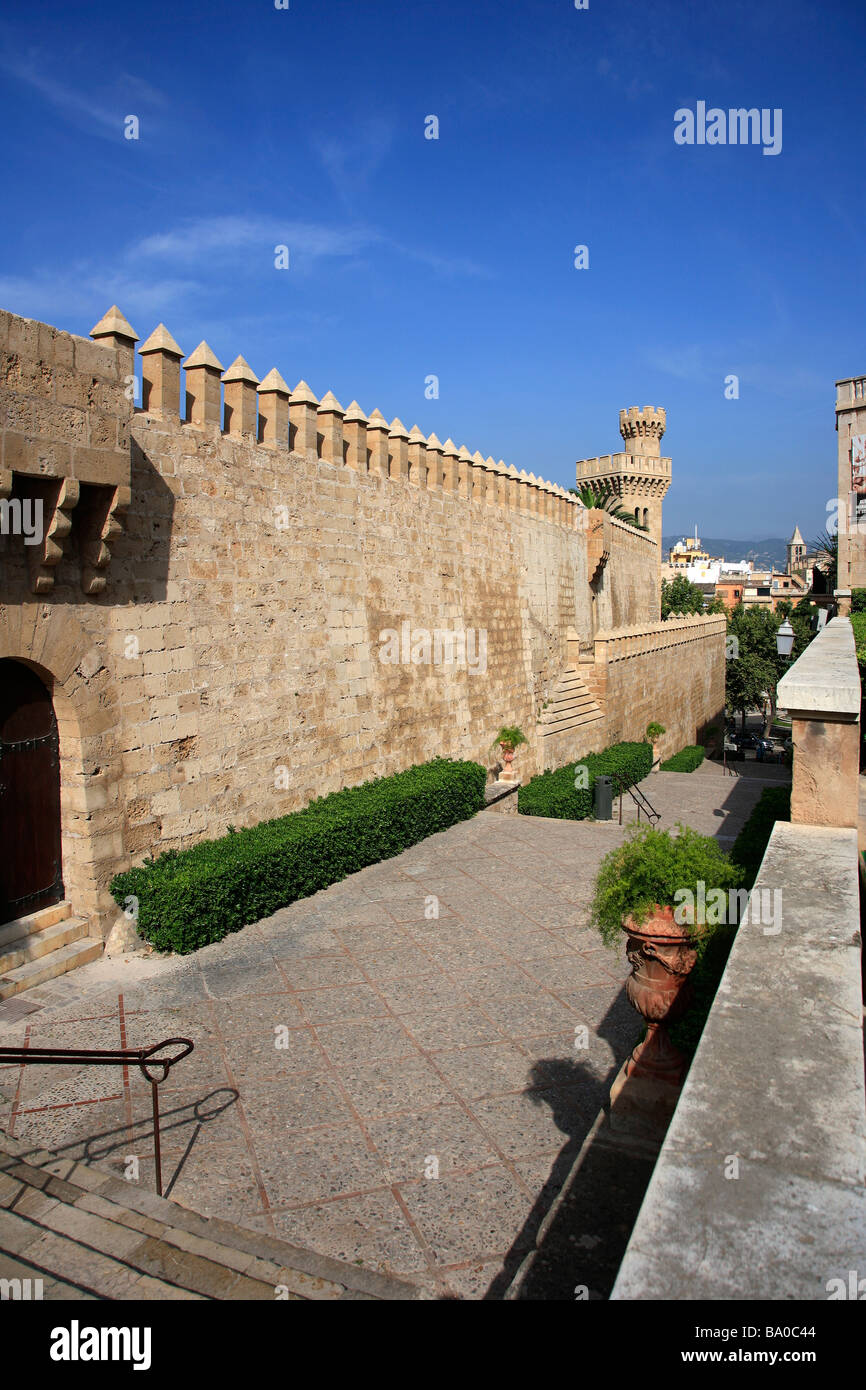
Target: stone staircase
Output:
[
  {"x": 44, "y": 944},
  {"x": 571, "y": 706},
  {"x": 88, "y": 1235}
]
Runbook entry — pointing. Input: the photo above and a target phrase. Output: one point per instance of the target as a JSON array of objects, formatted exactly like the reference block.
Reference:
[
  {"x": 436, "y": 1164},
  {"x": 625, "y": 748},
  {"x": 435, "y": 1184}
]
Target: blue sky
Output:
[{"x": 454, "y": 257}]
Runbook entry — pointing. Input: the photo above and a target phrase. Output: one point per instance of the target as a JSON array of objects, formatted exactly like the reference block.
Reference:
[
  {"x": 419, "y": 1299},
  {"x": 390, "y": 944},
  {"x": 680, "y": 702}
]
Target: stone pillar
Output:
[
  {"x": 240, "y": 405},
  {"x": 303, "y": 427},
  {"x": 434, "y": 464},
  {"x": 513, "y": 488},
  {"x": 502, "y": 483},
  {"x": 160, "y": 374},
  {"x": 355, "y": 438},
  {"x": 450, "y": 466},
  {"x": 464, "y": 473},
  {"x": 478, "y": 476},
  {"x": 330, "y": 428},
  {"x": 377, "y": 442},
  {"x": 821, "y": 692},
  {"x": 417, "y": 452},
  {"x": 398, "y": 448},
  {"x": 203, "y": 396},
  {"x": 273, "y": 396},
  {"x": 491, "y": 482},
  {"x": 114, "y": 331}
]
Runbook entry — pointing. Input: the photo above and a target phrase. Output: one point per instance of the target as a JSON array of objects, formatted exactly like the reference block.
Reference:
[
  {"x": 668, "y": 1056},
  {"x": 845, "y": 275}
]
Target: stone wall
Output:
[
  {"x": 216, "y": 660},
  {"x": 672, "y": 673}
]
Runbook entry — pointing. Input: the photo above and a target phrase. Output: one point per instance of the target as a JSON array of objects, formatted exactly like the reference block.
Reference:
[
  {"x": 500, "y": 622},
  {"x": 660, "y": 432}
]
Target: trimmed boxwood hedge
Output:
[
  {"x": 190, "y": 897},
  {"x": 686, "y": 760},
  {"x": 554, "y": 793}
]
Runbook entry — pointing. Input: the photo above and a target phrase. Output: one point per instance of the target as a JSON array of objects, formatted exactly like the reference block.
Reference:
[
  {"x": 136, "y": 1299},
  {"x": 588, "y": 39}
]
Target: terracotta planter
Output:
[
  {"x": 656, "y": 758},
  {"x": 507, "y": 773},
  {"x": 662, "y": 954}
]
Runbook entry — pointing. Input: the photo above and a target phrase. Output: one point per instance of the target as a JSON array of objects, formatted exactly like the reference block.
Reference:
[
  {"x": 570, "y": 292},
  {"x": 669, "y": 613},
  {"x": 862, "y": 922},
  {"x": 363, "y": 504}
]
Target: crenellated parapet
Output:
[
  {"x": 73, "y": 456},
  {"x": 642, "y": 429},
  {"x": 235, "y": 404}
]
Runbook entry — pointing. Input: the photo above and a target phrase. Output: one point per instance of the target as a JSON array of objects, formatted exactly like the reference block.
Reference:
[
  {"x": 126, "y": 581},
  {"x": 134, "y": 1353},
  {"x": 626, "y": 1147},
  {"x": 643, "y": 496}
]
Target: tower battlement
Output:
[
  {"x": 640, "y": 477},
  {"x": 642, "y": 429}
]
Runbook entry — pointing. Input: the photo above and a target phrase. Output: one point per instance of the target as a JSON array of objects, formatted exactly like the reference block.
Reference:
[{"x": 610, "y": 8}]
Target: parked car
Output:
[
  {"x": 746, "y": 740},
  {"x": 764, "y": 747}
]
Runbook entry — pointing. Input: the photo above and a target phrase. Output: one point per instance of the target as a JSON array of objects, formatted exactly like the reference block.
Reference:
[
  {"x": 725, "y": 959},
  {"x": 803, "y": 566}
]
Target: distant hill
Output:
[{"x": 763, "y": 554}]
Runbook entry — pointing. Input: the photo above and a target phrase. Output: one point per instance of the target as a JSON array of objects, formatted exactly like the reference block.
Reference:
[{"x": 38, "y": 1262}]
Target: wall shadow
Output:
[{"x": 584, "y": 1243}]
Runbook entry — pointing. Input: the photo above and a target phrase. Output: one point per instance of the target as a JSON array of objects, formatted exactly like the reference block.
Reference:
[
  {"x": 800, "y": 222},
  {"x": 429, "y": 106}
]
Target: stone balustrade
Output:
[
  {"x": 758, "y": 1190},
  {"x": 821, "y": 692}
]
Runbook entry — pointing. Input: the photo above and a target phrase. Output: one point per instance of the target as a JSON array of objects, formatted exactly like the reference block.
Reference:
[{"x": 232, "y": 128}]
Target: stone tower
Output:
[
  {"x": 639, "y": 477},
  {"x": 796, "y": 551}
]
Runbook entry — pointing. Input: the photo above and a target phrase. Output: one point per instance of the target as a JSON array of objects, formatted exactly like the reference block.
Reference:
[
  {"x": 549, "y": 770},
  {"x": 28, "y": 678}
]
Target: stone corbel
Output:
[
  {"x": 98, "y": 533},
  {"x": 42, "y": 559},
  {"x": 598, "y": 544}
]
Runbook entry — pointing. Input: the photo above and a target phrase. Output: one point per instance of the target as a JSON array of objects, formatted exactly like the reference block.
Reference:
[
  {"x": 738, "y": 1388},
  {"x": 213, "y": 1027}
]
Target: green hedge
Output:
[
  {"x": 748, "y": 850},
  {"x": 686, "y": 760},
  {"x": 191, "y": 897},
  {"x": 554, "y": 793}
]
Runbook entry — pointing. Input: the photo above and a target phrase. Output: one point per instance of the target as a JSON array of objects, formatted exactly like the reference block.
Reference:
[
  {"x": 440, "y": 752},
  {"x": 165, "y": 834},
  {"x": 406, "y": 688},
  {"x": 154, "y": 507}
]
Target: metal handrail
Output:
[
  {"x": 638, "y": 797},
  {"x": 143, "y": 1057}
]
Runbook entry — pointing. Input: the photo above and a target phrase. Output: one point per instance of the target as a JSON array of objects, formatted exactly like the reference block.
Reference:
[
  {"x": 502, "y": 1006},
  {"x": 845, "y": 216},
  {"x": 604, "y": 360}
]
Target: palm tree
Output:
[
  {"x": 827, "y": 543},
  {"x": 597, "y": 495}
]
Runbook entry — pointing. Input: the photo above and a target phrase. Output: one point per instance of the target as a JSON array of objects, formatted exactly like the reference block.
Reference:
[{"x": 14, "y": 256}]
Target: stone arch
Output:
[{"x": 50, "y": 640}]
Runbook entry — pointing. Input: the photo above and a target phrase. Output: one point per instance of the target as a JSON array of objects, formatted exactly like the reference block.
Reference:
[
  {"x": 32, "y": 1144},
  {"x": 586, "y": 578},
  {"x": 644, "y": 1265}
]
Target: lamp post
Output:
[{"x": 785, "y": 639}]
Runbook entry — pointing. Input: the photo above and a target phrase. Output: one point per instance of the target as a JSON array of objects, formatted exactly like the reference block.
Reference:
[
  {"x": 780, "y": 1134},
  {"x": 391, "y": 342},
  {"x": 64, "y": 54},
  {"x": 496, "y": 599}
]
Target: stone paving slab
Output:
[{"x": 386, "y": 1086}]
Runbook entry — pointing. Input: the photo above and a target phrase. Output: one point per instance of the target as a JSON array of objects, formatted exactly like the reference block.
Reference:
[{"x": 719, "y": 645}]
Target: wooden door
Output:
[{"x": 30, "y": 857}]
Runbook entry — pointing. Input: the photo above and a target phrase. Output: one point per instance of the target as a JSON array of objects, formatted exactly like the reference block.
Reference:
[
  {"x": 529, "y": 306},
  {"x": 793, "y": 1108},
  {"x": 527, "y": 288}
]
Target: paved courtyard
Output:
[{"x": 397, "y": 1071}]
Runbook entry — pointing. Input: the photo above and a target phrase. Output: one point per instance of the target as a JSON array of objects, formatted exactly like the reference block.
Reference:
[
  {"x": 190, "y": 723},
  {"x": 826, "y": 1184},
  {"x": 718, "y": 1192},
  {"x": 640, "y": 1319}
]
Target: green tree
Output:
[
  {"x": 750, "y": 668},
  {"x": 754, "y": 667},
  {"x": 679, "y": 595}
]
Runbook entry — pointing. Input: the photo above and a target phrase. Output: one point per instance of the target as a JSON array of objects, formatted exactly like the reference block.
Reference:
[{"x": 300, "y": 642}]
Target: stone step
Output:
[
  {"x": 583, "y": 700},
  {"x": 89, "y": 1234},
  {"x": 34, "y": 921},
  {"x": 57, "y": 962},
  {"x": 564, "y": 725},
  {"x": 39, "y": 944}
]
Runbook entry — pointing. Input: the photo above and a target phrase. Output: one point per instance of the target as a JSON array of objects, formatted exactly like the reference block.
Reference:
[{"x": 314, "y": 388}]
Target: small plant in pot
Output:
[
  {"x": 509, "y": 738},
  {"x": 665, "y": 893},
  {"x": 654, "y": 732}
]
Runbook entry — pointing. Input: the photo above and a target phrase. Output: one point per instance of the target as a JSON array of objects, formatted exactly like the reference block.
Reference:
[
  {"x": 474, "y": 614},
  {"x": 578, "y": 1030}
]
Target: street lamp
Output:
[{"x": 785, "y": 639}]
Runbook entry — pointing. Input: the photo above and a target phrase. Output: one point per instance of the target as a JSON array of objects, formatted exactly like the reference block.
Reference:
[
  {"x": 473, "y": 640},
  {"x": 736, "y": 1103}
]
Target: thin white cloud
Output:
[
  {"x": 106, "y": 121},
  {"x": 225, "y": 236},
  {"x": 350, "y": 161}
]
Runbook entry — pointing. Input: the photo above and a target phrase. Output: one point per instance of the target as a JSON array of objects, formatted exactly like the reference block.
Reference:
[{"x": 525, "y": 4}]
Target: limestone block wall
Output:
[
  {"x": 216, "y": 659},
  {"x": 671, "y": 672},
  {"x": 213, "y": 634}
]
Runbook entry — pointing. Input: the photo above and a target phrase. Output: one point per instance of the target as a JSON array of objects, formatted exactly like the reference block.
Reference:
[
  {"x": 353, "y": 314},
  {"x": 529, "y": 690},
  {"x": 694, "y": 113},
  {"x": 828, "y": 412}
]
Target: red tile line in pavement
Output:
[
  {"x": 421, "y": 1242},
  {"x": 13, "y": 1114},
  {"x": 127, "y": 1094},
  {"x": 504, "y": 1160},
  {"x": 242, "y": 1119}
]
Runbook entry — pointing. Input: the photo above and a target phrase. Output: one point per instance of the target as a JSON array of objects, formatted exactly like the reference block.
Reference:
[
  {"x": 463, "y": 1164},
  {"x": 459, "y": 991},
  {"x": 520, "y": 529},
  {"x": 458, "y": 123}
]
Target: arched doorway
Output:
[{"x": 30, "y": 856}]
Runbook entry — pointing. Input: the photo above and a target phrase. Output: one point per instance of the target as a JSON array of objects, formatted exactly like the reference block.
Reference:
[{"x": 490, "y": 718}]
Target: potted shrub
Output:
[
  {"x": 653, "y": 734},
  {"x": 509, "y": 738},
  {"x": 665, "y": 893}
]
